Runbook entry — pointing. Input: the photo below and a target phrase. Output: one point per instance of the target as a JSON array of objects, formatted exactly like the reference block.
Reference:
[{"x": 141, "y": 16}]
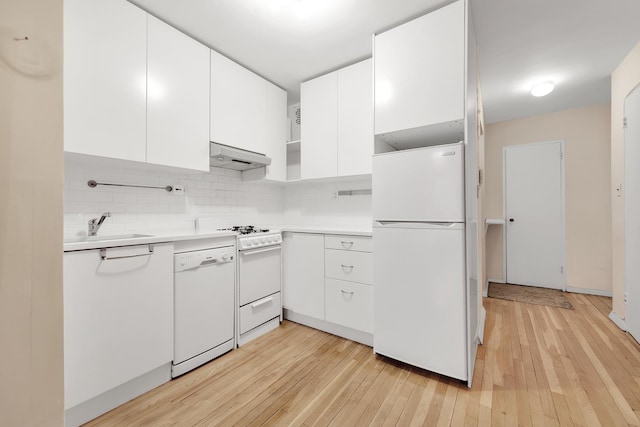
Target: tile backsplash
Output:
[
  {"x": 219, "y": 193},
  {"x": 317, "y": 204}
]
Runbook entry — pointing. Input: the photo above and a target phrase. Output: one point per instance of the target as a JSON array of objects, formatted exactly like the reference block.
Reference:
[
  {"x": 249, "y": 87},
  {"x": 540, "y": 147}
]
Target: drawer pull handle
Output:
[
  {"x": 347, "y": 295},
  {"x": 263, "y": 302},
  {"x": 346, "y": 244},
  {"x": 350, "y": 267}
]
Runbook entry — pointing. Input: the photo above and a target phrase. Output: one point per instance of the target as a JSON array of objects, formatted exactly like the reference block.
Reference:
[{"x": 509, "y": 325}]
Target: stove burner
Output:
[{"x": 245, "y": 229}]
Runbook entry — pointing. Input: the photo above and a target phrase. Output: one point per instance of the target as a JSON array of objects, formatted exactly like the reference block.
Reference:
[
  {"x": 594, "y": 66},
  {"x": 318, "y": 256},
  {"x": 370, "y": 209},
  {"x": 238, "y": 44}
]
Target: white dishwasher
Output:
[{"x": 204, "y": 301}]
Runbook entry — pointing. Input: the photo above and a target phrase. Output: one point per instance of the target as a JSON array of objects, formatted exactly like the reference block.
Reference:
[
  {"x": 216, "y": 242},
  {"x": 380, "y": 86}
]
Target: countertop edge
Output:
[
  {"x": 158, "y": 238},
  {"x": 328, "y": 230}
]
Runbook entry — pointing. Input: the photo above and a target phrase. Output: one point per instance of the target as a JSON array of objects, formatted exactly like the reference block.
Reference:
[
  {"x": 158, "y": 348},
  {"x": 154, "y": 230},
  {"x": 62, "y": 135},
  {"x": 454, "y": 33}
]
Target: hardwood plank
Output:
[{"x": 539, "y": 366}]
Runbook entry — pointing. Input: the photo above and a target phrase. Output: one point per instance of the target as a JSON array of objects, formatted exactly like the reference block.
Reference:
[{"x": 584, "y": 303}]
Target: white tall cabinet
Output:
[
  {"x": 420, "y": 79},
  {"x": 337, "y": 123},
  {"x": 105, "y": 74},
  {"x": 177, "y": 98}
]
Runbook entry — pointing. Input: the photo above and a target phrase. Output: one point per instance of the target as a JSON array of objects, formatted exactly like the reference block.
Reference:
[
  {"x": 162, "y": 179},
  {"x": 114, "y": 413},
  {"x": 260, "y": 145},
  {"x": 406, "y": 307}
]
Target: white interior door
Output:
[
  {"x": 632, "y": 211},
  {"x": 534, "y": 208}
]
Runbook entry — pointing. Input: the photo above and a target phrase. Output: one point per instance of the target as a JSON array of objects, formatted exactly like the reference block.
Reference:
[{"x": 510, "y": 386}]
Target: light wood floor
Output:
[{"x": 538, "y": 366}]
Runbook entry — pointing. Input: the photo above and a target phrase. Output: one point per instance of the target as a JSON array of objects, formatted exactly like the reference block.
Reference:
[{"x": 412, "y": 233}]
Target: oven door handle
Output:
[{"x": 259, "y": 251}]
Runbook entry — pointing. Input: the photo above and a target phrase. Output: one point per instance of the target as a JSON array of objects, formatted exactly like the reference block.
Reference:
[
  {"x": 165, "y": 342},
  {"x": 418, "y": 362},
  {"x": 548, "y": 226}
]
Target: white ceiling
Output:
[{"x": 576, "y": 43}]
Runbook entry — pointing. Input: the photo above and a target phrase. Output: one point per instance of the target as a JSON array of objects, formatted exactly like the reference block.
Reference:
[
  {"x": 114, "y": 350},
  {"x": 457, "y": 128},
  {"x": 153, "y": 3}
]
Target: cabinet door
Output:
[
  {"x": 178, "y": 99},
  {"x": 355, "y": 118},
  {"x": 118, "y": 318},
  {"x": 304, "y": 280},
  {"x": 319, "y": 128},
  {"x": 419, "y": 71},
  {"x": 238, "y": 104},
  {"x": 276, "y": 133},
  {"x": 105, "y": 78}
]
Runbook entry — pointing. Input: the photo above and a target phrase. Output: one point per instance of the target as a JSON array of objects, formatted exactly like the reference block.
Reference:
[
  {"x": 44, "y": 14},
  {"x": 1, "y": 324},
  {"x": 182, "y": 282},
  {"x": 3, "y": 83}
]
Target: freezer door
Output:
[
  {"x": 425, "y": 184},
  {"x": 419, "y": 296}
]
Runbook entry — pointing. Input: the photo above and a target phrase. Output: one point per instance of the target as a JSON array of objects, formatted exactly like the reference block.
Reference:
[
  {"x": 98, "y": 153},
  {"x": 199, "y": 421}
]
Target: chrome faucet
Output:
[{"x": 95, "y": 223}]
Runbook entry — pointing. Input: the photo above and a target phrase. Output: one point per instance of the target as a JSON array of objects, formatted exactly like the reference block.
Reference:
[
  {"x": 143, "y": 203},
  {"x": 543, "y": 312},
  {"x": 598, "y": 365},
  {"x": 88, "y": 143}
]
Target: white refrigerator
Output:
[{"x": 419, "y": 258}]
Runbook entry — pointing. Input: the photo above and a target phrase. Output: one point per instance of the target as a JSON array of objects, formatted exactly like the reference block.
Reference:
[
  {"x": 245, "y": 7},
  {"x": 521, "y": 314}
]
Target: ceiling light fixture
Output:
[{"x": 542, "y": 89}]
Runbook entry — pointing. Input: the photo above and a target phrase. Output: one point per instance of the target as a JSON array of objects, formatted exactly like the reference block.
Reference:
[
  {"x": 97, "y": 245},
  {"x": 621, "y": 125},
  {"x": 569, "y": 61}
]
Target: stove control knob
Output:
[
  {"x": 224, "y": 256},
  {"x": 263, "y": 240}
]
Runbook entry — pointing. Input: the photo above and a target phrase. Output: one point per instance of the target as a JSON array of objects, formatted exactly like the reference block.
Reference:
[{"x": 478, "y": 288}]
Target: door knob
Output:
[{"x": 511, "y": 220}]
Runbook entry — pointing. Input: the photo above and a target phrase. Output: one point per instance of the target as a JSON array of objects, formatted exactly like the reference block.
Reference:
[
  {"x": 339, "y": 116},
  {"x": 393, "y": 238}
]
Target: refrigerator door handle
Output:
[{"x": 400, "y": 223}]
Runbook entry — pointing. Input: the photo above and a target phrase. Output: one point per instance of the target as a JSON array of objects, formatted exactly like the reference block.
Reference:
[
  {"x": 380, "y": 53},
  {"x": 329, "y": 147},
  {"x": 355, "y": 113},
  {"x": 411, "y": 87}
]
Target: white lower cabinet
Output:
[
  {"x": 349, "y": 304},
  {"x": 304, "y": 274},
  {"x": 118, "y": 324},
  {"x": 329, "y": 288}
]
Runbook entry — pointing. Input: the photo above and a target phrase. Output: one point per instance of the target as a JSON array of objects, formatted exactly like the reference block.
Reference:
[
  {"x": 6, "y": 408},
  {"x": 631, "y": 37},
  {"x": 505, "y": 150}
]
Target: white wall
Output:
[
  {"x": 315, "y": 204},
  {"x": 31, "y": 140},
  {"x": 586, "y": 132},
  {"x": 220, "y": 193}
]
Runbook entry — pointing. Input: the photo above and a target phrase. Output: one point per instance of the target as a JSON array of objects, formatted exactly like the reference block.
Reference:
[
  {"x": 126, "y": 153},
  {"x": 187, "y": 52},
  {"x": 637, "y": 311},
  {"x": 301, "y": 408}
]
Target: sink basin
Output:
[{"x": 81, "y": 239}]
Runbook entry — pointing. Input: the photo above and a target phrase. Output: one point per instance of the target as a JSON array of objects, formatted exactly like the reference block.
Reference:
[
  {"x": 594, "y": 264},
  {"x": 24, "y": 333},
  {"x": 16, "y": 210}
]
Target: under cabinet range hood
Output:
[{"x": 223, "y": 156}]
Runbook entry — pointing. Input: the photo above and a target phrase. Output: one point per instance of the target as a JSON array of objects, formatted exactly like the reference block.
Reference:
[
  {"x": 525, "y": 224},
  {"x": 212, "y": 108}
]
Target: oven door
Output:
[{"x": 259, "y": 273}]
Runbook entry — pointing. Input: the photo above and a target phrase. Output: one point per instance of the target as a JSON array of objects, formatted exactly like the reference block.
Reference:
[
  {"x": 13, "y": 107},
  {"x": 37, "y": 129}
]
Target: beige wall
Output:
[
  {"x": 31, "y": 169},
  {"x": 586, "y": 132},
  {"x": 623, "y": 80}
]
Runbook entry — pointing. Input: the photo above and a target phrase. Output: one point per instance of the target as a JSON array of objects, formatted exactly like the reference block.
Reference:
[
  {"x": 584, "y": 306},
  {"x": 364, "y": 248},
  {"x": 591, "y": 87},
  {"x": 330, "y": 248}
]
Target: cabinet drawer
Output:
[
  {"x": 348, "y": 265},
  {"x": 348, "y": 243},
  {"x": 256, "y": 313},
  {"x": 349, "y": 304}
]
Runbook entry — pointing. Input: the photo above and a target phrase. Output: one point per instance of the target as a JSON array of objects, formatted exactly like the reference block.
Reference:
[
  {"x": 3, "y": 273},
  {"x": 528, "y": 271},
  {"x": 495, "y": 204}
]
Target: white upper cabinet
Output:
[
  {"x": 419, "y": 78},
  {"x": 276, "y": 133},
  {"x": 105, "y": 68},
  {"x": 319, "y": 129},
  {"x": 337, "y": 123},
  {"x": 238, "y": 105},
  {"x": 355, "y": 118},
  {"x": 178, "y": 99}
]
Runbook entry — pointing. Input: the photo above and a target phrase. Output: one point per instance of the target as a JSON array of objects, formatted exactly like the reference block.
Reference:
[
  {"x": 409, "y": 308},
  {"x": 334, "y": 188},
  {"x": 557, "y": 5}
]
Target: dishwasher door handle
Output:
[{"x": 259, "y": 251}]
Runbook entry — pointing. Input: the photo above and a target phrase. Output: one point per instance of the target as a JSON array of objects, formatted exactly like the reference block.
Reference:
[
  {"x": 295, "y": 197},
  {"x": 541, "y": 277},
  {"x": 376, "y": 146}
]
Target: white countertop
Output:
[
  {"x": 162, "y": 237},
  {"x": 328, "y": 230}
]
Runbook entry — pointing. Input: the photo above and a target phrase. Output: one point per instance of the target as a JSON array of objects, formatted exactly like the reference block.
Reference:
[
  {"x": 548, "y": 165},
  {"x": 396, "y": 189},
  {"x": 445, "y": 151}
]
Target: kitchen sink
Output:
[{"x": 81, "y": 239}]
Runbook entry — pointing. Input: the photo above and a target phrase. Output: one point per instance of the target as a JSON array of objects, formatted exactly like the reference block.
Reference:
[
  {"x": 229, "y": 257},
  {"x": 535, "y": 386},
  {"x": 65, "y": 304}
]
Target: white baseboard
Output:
[
  {"x": 620, "y": 323},
  {"x": 598, "y": 292},
  {"x": 480, "y": 331},
  {"x": 115, "y": 397},
  {"x": 339, "y": 330}
]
